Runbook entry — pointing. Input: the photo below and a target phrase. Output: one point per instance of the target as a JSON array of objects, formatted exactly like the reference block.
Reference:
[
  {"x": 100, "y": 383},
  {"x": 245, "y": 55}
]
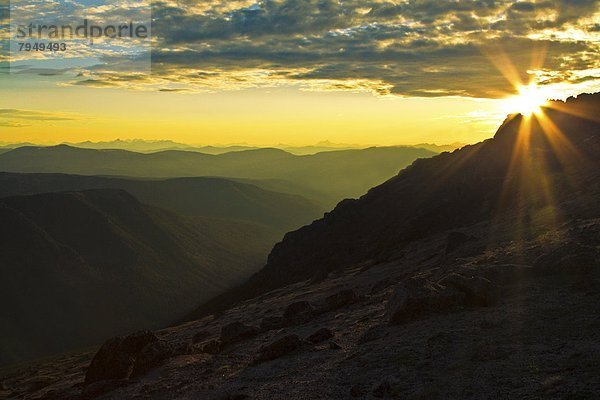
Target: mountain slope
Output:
[
  {"x": 450, "y": 190},
  {"x": 205, "y": 197},
  {"x": 78, "y": 266},
  {"x": 527, "y": 173},
  {"x": 333, "y": 175}
]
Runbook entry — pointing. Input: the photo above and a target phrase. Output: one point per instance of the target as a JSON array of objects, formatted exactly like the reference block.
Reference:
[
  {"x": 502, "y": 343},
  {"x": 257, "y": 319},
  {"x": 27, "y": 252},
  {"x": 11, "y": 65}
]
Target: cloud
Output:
[
  {"x": 16, "y": 118},
  {"x": 409, "y": 48}
]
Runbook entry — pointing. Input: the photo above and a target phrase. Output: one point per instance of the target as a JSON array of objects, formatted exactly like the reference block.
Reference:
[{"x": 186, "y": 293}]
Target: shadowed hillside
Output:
[
  {"x": 78, "y": 266},
  {"x": 332, "y": 176},
  {"x": 206, "y": 197}
]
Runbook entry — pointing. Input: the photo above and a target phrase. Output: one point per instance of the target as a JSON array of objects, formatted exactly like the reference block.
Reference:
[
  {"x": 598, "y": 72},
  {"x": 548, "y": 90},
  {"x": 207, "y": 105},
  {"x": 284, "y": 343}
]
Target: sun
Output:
[{"x": 529, "y": 101}]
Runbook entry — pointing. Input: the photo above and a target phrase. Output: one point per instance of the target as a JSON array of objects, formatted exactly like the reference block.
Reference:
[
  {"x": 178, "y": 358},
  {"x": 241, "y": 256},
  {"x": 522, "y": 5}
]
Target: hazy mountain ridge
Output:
[
  {"x": 332, "y": 175},
  {"x": 152, "y": 146},
  {"x": 77, "y": 266},
  {"x": 205, "y": 197}
]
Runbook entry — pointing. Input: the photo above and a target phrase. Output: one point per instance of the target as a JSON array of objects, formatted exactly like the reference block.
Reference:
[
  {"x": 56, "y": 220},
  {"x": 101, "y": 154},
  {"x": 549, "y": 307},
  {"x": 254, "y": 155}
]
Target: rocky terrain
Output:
[
  {"x": 518, "y": 321},
  {"x": 472, "y": 275}
]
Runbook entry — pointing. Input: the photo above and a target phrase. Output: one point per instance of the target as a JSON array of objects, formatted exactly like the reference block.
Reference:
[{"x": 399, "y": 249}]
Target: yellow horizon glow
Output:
[{"x": 262, "y": 117}]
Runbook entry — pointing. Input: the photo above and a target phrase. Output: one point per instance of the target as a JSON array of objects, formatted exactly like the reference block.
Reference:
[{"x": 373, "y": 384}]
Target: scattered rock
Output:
[
  {"x": 200, "y": 336},
  {"x": 551, "y": 383},
  {"x": 371, "y": 334},
  {"x": 415, "y": 297},
  {"x": 151, "y": 356},
  {"x": 234, "y": 396},
  {"x": 299, "y": 312},
  {"x": 387, "y": 388},
  {"x": 334, "y": 346},
  {"x": 279, "y": 348},
  {"x": 271, "y": 323},
  {"x": 357, "y": 391},
  {"x": 116, "y": 358},
  {"x": 100, "y": 388},
  {"x": 440, "y": 344},
  {"x": 212, "y": 347},
  {"x": 341, "y": 299},
  {"x": 507, "y": 274},
  {"x": 320, "y": 336},
  {"x": 382, "y": 285},
  {"x": 567, "y": 260},
  {"x": 479, "y": 291},
  {"x": 236, "y": 331},
  {"x": 489, "y": 352},
  {"x": 182, "y": 348}
]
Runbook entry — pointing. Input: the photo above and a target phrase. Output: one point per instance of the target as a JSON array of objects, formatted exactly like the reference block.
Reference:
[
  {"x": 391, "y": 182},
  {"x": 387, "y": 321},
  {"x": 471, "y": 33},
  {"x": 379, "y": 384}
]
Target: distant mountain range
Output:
[
  {"x": 152, "y": 146},
  {"x": 78, "y": 266},
  {"x": 205, "y": 197},
  {"x": 327, "y": 177}
]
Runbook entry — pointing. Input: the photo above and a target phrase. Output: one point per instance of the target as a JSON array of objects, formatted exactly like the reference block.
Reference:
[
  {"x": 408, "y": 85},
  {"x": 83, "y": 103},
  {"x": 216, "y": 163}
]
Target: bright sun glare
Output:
[{"x": 529, "y": 100}]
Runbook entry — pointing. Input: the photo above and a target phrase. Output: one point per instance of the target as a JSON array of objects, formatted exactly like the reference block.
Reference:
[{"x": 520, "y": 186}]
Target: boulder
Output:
[
  {"x": 320, "y": 336},
  {"x": 151, "y": 356},
  {"x": 340, "y": 299},
  {"x": 299, "y": 312},
  {"x": 100, "y": 388},
  {"x": 236, "y": 331},
  {"x": 479, "y": 291},
  {"x": 200, "y": 336},
  {"x": 415, "y": 297},
  {"x": 279, "y": 348},
  {"x": 272, "y": 322},
  {"x": 117, "y": 357},
  {"x": 334, "y": 346}
]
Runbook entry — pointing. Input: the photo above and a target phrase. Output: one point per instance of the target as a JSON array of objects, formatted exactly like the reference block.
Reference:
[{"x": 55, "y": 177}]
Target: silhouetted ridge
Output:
[
  {"x": 532, "y": 169},
  {"x": 205, "y": 197},
  {"x": 325, "y": 177}
]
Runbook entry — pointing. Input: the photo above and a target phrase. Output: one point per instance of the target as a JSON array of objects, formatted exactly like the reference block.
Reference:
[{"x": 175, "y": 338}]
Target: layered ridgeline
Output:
[
  {"x": 204, "y": 197},
  {"x": 536, "y": 172},
  {"x": 327, "y": 177},
  {"x": 77, "y": 267}
]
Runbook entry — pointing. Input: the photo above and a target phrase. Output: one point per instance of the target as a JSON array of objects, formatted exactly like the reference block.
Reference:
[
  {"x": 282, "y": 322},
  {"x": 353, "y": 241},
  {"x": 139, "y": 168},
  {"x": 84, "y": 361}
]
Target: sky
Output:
[{"x": 367, "y": 72}]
